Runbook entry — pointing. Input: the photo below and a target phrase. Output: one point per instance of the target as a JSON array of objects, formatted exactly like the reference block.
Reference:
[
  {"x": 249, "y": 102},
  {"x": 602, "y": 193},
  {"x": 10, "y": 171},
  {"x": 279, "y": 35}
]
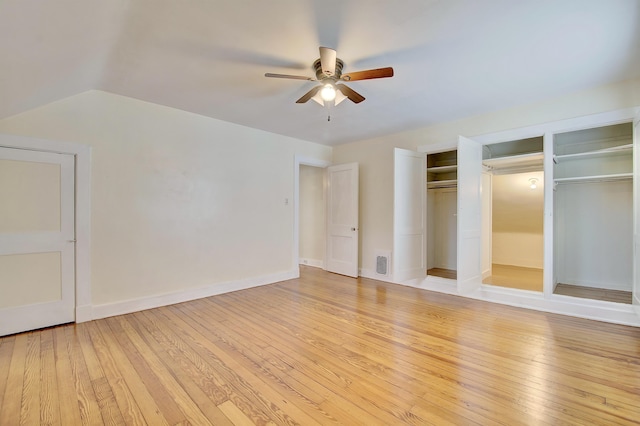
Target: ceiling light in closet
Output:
[{"x": 533, "y": 183}]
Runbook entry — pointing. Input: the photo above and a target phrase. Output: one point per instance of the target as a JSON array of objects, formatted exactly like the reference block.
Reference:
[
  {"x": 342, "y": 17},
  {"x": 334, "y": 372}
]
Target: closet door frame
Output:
[
  {"x": 547, "y": 131},
  {"x": 429, "y": 150},
  {"x": 82, "y": 154},
  {"x": 636, "y": 214}
]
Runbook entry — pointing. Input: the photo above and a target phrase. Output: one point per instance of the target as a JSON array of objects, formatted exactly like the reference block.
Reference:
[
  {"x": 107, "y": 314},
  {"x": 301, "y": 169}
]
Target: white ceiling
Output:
[{"x": 452, "y": 58}]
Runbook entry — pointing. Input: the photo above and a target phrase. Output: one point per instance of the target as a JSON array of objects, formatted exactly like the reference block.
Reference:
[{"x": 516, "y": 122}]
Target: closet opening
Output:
[
  {"x": 593, "y": 213},
  {"x": 442, "y": 205},
  {"x": 513, "y": 193}
]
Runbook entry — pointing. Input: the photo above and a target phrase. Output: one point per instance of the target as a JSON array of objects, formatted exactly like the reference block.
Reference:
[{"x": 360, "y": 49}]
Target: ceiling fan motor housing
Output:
[{"x": 317, "y": 66}]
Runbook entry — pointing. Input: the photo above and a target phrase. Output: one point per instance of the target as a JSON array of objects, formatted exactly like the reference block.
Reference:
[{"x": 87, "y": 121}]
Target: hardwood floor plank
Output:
[
  {"x": 49, "y": 406},
  {"x": 129, "y": 388},
  {"x": 67, "y": 397},
  {"x": 267, "y": 395},
  {"x": 344, "y": 376},
  {"x": 234, "y": 414},
  {"x": 85, "y": 395},
  {"x": 6, "y": 350},
  {"x": 12, "y": 402},
  {"x": 300, "y": 390},
  {"x": 206, "y": 395},
  {"x": 30, "y": 407},
  {"x": 170, "y": 396},
  {"x": 324, "y": 349},
  {"x": 101, "y": 366}
]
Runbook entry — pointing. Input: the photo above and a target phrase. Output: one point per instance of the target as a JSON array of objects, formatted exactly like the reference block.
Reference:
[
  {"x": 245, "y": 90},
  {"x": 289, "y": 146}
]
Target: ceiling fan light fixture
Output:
[{"x": 328, "y": 92}]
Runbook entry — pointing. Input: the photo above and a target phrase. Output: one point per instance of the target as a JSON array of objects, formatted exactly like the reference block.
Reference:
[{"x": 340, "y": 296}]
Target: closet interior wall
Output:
[
  {"x": 442, "y": 202},
  {"x": 593, "y": 208}
]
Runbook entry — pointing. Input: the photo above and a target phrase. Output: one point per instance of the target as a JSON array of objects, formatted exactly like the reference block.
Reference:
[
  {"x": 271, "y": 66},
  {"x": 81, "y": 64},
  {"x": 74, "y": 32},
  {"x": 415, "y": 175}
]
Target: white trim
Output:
[
  {"x": 135, "y": 305},
  {"x": 300, "y": 160},
  {"x": 438, "y": 147},
  {"x": 82, "y": 155},
  {"x": 616, "y": 313},
  {"x": 559, "y": 126},
  {"x": 316, "y": 263}
]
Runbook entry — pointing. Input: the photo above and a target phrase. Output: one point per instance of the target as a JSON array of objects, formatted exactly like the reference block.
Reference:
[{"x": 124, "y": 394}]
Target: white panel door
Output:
[
  {"x": 36, "y": 240},
  {"x": 409, "y": 215},
  {"x": 469, "y": 215},
  {"x": 636, "y": 215},
  {"x": 342, "y": 219}
]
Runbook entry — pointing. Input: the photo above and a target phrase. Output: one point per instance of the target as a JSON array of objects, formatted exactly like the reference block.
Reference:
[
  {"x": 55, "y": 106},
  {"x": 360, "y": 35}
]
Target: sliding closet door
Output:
[{"x": 469, "y": 215}]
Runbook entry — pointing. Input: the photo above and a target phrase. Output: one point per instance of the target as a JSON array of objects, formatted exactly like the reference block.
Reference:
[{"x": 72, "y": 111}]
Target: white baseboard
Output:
[
  {"x": 312, "y": 262},
  {"x": 583, "y": 308},
  {"x": 590, "y": 309},
  {"x": 84, "y": 313},
  {"x": 140, "y": 304},
  {"x": 368, "y": 273}
]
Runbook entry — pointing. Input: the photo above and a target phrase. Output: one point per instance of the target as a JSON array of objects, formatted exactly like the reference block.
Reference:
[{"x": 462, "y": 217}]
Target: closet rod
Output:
[{"x": 601, "y": 178}]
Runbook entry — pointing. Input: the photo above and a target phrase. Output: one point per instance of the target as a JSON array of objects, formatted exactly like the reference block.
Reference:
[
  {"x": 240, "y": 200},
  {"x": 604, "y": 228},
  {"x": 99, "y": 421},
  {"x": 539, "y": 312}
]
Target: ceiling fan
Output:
[{"x": 328, "y": 70}]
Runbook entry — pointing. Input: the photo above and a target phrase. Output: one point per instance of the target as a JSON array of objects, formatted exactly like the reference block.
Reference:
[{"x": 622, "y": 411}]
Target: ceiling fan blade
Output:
[
  {"x": 368, "y": 74},
  {"x": 353, "y": 96},
  {"x": 328, "y": 61},
  {"x": 294, "y": 77},
  {"x": 310, "y": 94}
]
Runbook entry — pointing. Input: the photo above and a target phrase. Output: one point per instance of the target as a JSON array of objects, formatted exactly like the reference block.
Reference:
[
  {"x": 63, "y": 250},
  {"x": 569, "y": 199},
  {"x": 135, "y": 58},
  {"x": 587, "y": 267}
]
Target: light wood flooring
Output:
[
  {"x": 324, "y": 349},
  {"x": 515, "y": 277},
  {"x": 452, "y": 274},
  {"x": 594, "y": 293}
]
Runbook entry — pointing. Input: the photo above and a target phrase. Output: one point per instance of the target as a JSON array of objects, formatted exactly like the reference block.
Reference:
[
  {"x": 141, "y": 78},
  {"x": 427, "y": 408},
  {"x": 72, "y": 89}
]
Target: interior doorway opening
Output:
[
  {"x": 312, "y": 216},
  {"x": 594, "y": 213},
  {"x": 514, "y": 241}
]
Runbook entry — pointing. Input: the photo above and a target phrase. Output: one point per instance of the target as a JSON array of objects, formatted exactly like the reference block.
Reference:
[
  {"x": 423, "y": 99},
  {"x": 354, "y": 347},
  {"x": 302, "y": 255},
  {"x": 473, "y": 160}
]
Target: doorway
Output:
[
  {"x": 514, "y": 246},
  {"x": 312, "y": 224},
  {"x": 517, "y": 236}
]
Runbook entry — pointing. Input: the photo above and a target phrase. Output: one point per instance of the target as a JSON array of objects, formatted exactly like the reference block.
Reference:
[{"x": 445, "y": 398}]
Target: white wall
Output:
[
  {"x": 523, "y": 249},
  {"x": 517, "y": 222},
  {"x": 376, "y": 155},
  {"x": 603, "y": 256},
  {"x": 312, "y": 216},
  {"x": 179, "y": 201}
]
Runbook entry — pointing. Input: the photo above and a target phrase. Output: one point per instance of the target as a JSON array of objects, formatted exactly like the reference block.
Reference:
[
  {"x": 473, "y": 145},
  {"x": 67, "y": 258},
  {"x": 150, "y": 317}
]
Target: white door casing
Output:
[
  {"x": 37, "y": 243},
  {"x": 342, "y": 219},
  {"x": 409, "y": 215},
  {"x": 636, "y": 216},
  {"x": 469, "y": 215}
]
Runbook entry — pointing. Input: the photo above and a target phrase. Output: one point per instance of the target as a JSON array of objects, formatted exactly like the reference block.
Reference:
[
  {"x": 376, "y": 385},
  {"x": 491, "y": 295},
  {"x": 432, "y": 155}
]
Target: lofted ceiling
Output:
[{"x": 452, "y": 58}]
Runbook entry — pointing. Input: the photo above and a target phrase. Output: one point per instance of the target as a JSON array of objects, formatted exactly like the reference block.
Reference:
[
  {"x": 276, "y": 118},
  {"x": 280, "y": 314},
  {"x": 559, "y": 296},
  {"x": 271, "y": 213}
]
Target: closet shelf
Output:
[
  {"x": 442, "y": 169},
  {"x": 451, "y": 183},
  {"x": 616, "y": 150},
  {"x": 595, "y": 178},
  {"x": 521, "y": 160}
]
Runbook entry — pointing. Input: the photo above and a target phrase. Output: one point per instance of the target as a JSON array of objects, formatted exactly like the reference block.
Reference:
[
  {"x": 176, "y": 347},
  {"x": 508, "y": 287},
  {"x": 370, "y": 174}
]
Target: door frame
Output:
[
  {"x": 82, "y": 210},
  {"x": 300, "y": 160}
]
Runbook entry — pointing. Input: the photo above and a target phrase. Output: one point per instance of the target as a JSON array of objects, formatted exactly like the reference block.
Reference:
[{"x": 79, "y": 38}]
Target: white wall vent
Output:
[{"x": 383, "y": 263}]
